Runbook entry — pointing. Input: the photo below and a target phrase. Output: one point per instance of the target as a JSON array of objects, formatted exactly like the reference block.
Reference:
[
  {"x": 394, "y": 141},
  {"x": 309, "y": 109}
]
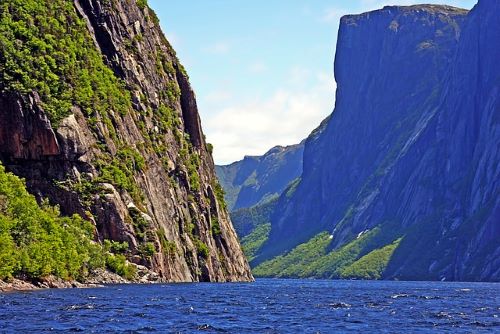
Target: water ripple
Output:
[{"x": 267, "y": 306}]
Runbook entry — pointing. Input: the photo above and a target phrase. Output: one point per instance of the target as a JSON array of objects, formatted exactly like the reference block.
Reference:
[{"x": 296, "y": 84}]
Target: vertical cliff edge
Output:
[
  {"x": 403, "y": 182},
  {"x": 97, "y": 114}
]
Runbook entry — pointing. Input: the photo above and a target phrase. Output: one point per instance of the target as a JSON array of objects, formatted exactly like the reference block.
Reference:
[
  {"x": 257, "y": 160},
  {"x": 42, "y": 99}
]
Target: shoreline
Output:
[
  {"x": 96, "y": 280},
  {"x": 18, "y": 285}
]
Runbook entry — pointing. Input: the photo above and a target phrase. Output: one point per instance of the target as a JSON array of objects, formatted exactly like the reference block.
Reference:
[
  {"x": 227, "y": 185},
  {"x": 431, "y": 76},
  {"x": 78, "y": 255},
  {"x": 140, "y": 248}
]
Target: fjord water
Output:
[{"x": 266, "y": 306}]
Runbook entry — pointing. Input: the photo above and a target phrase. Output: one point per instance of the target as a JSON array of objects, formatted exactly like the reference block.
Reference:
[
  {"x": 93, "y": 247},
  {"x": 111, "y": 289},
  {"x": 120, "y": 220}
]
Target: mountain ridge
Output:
[{"x": 256, "y": 179}]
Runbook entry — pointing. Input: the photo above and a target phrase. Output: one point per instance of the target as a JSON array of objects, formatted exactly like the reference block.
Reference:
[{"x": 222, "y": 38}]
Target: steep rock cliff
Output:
[
  {"x": 101, "y": 120},
  {"x": 461, "y": 155},
  {"x": 388, "y": 63},
  {"x": 405, "y": 176}
]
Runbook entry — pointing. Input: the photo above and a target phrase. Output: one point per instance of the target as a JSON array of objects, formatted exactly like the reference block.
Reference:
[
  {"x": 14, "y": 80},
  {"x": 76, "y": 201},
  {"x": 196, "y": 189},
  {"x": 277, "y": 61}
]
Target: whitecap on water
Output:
[
  {"x": 80, "y": 307},
  {"x": 339, "y": 305},
  {"x": 481, "y": 309},
  {"x": 442, "y": 315}
]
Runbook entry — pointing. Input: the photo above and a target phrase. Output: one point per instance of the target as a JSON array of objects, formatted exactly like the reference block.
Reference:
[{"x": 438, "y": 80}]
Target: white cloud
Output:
[
  {"x": 257, "y": 68},
  {"x": 285, "y": 117},
  {"x": 218, "y": 48}
]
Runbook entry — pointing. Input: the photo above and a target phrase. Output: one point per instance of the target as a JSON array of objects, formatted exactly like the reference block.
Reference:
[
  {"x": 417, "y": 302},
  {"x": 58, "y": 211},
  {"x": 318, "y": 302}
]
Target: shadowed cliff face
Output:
[
  {"x": 461, "y": 155},
  {"x": 411, "y": 148},
  {"x": 388, "y": 64},
  {"x": 140, "y": 172}
]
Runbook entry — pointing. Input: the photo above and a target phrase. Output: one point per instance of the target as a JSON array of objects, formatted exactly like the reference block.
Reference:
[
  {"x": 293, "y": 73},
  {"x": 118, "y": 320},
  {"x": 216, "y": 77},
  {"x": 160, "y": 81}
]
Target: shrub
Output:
[
  {"x": 216, "y": 231},
  {"x": 219, "y": 194},
  {"x": 116, "y": 246},
  {"x": 142, "y": 4},
  {"x": 210, "y": 148},
  {"x": 119, "y": 265},
  {"x": 36, "y": 241},
  {"x": 201, "y": 248},
  {"x": 148, "y": 249}
]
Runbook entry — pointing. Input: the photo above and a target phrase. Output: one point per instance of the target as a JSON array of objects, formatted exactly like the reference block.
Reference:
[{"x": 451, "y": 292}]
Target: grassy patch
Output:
[
  {"x": 372, "y": 265},
  {"x": 295, "y": 262},
  {"x": 315, "y": 259},
  {"x": 254, "y": 241}
]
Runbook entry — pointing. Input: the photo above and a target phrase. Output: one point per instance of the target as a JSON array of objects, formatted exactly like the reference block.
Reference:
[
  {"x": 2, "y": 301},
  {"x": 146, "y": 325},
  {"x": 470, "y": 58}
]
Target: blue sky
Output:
[{"x": 262, "y": 70}]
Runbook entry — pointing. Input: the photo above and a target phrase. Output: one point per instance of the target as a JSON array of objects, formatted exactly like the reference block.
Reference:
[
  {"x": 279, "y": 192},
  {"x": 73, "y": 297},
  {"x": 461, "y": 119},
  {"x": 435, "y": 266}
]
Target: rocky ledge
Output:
[{"x": 50, "y": 282}]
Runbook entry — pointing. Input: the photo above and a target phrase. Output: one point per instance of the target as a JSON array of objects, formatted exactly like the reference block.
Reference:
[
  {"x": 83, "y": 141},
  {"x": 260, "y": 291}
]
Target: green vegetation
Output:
[
  {"x": 229, "y": 192},
  {"x": 201, "y": 248},
  {"x": 367, "y": 256},
  {"x": 120, "y": 171},
  {"x": 210, "y": 148},
  {"x": 167, "y": 118},
  {"x": 140, "y": 224},
  {"x": 245, "y": 220},
  {"x": 116, "y": 246},
  {"x": 168, "y": 247},
  {"x": 142, "y": 4},
  {"x": 253, "y": 226},
  {"x": 132, "y": 159},
  {"x": 46, "y": 48},
  {"x": 36, "y": 241},
  {"x": 215, "y": 227},
  {"x": 372, "y": 265},
  {"x": 292, "y": 187},
  {"x": 295, "y": 262},
  {"x": 147, "y": 249},
  {"x": 254, "y": 241},
  {"x": 219, "y": 194},
  {"x": 173, "y": 91},
  {"x": 193, "y": 164},
  {"x": 86, "y": 187},
  {"x": 119, "y": 265}
]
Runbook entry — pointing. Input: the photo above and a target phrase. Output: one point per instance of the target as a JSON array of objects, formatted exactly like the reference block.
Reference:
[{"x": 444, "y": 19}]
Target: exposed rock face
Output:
[
  {"x": 412, "y": 145},
  {"x": 26, "y": 132},
  {"x": 171, "y": 203},
  {"x": 459, "y": 151},
  {"x": 256, "y": 179}
]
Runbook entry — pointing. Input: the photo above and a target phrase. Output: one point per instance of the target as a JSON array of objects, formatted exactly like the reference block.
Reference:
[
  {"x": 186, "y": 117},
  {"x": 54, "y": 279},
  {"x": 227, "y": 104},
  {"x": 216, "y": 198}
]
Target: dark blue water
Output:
[{"x": 266, "y": 306}]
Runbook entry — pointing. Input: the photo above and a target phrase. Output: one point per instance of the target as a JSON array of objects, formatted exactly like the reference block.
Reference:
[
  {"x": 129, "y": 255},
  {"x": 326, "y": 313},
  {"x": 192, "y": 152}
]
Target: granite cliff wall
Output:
[{"x": 137, "y": 167}]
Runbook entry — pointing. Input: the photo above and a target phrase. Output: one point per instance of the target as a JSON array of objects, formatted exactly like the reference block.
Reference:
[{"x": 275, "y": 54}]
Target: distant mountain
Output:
[
  {"x": 257, "y": 179},
  {"x": 403, "y": 180}
]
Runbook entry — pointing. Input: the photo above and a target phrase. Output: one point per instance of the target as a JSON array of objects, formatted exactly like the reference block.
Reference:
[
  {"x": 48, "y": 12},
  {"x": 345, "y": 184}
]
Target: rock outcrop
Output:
[
  {"x": 409, "y": 158},
  {"x": 141, "y": 171}
]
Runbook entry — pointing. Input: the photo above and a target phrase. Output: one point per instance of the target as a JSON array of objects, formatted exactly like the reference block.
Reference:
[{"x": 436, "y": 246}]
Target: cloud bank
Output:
[{"x": 285, "y": 117}]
